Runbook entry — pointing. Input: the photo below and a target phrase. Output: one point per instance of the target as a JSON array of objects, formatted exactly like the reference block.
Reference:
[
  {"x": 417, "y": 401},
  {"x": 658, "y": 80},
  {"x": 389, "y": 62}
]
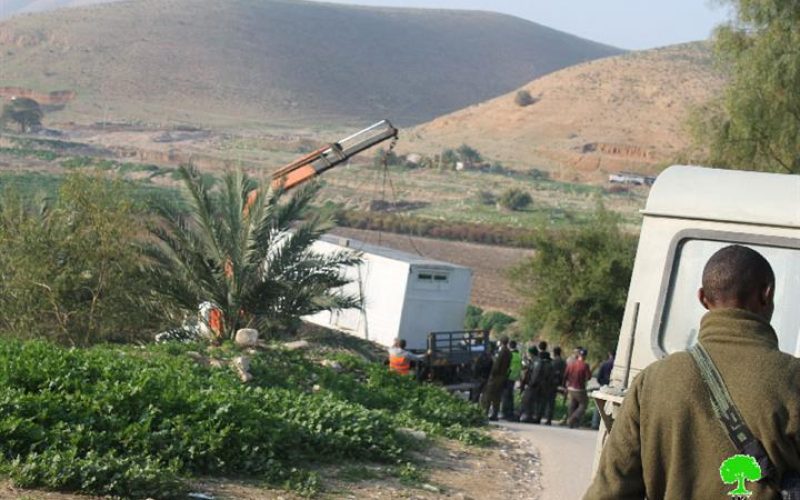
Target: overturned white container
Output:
[{"x": 404, "y": 295}]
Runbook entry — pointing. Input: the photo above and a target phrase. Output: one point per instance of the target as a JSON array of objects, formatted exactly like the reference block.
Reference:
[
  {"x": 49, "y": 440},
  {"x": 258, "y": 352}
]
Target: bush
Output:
[
  {"x": 134, "y": 422},
  {"x": 524, "y": 98},
  {"x": 71, "y": 272},
  {"x": 473, "y": 317},
  {"x": 515, "y": 199},
  {"x": 539, "y": 175},
  {"x": 495, "y": 321},
  {"x": 486, "y": 198}
]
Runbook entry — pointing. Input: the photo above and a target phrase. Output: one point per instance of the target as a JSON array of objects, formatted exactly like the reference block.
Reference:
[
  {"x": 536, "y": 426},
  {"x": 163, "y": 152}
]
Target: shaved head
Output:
[{"x": 737, "y": 276}]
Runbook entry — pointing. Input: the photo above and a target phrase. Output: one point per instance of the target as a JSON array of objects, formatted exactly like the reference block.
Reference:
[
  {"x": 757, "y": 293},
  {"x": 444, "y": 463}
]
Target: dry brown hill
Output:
[
  {"x": 620, "y": 113},
  {"x": 276, "y": 61}
]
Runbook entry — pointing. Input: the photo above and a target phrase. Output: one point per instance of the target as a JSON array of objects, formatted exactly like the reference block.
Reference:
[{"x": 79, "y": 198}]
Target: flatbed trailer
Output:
[{"x": 452, "y": 356}]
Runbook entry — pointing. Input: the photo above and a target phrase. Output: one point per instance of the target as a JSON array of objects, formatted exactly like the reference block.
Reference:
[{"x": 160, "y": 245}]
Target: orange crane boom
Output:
[{"x": 327, "y": 157}]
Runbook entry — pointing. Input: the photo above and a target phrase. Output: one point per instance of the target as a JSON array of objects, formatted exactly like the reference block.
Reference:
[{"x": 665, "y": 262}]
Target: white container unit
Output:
[{"x": 403, "y": 295}]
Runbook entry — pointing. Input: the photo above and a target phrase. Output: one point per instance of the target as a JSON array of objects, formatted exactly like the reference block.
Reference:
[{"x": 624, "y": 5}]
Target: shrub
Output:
[
  {"x": 515, "y": 199},
  {"x": 495, "y": 321},
  {"x": 71, "y": 271},
  {"x": 539, "y": 175},
  {"x": 469, "y": 155},
  {"x": 473, "y": 317},
  {"x": 524, "y": 98},
  {"x": 486, "y": 198}
]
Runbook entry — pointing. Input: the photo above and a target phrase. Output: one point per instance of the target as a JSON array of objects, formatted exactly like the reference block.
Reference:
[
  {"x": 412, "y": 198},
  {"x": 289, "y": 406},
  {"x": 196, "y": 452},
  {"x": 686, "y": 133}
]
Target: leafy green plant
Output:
[
  {"x": 515, "y": 199},
  {"x": 247, "y": 252},
  {"x": 137, "y": 422}
]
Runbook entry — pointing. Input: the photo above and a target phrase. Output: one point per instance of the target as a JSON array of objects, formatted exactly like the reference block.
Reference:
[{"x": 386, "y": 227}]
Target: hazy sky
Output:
[{"x": 628, "y": 24}]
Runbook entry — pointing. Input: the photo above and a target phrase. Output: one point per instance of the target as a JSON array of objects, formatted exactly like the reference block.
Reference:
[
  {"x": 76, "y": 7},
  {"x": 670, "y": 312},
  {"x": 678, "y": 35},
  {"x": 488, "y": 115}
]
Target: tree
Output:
[
  {"x": 468, "y": 155},
  {"x": 755, "y": 125},
  {"x": 70, "y": 269},
  {"x": 738, "y": 469},
  {"x": 24, "y": 112},
  {"x": 449, "y": 158},
  {"x": 515, "y": 199},
  {"x": 576, "y": 284},
  {"x": 249, "y": 253}
]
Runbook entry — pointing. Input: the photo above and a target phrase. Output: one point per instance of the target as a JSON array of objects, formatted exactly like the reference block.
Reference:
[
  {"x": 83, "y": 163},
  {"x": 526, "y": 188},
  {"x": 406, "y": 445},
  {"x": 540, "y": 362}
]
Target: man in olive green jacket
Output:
[
  {"x": 667, "y": 442},
  {"x": 493, "y": 392}
]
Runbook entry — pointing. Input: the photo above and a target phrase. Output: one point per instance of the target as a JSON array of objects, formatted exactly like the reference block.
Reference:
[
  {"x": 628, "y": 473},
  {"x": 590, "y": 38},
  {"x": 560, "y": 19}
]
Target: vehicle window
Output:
[{"x": 682, "y": 310}]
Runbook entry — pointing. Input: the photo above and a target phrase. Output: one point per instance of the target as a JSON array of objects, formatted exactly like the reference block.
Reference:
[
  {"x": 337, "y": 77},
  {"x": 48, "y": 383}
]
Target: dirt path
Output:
[{"x": 566, "y": 454}]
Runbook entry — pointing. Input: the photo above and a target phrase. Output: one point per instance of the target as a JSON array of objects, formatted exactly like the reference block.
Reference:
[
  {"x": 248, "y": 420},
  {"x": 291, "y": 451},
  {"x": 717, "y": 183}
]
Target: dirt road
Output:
[{"x": 566, "y": 458}]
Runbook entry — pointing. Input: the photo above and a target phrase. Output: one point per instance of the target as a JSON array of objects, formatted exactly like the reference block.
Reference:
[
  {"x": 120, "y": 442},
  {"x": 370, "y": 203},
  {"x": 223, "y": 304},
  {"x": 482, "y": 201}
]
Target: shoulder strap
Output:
[{"x": 727, "y": 413}]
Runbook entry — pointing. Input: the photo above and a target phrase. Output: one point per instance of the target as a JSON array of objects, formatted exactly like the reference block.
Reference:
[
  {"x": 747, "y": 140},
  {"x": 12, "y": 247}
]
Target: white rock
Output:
[
  {"x": 413, "y": 433},
  {"x": 242, "y": 365},
  {"x": 430, "y": 488},
  {"x": 246, "y": 337},
  {"x": 298, "y": 344},
  {"x": 333, "y": 365}
]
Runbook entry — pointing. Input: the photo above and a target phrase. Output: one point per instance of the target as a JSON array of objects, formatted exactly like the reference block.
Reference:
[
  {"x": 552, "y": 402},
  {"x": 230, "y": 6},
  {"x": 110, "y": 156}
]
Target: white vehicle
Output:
[{"x": 691, "y": 213}]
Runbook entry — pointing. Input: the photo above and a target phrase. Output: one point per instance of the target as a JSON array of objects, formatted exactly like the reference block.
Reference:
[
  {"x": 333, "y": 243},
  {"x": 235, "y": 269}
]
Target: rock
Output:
[
  {"x": 201, "y": 360},
  {"x": 216, "y": 363},
  {"x": 242, "y": 365},
  {"x": 316, "y": 388},
  {"x": 413, "y": 433},
  {"x": 298, "y": 344},
  {"x": 246, "y": 337},
  {"x": 333, "y": 365},
  {"x": 430, "y": 487}
]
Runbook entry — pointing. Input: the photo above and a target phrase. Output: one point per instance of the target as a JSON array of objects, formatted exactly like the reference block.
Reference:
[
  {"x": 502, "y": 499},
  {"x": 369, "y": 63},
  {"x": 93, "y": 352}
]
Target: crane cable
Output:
[{"x": 387, "y": 179}]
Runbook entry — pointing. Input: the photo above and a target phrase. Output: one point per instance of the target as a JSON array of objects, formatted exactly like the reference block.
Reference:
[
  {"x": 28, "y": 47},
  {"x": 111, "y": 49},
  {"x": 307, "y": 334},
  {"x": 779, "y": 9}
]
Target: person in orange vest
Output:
[{"x": 400, "y": 359}]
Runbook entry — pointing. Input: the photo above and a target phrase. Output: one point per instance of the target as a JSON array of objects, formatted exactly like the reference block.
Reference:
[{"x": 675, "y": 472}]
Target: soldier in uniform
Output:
[
  {"x": 543, "y": 407},
  {"x": 667, "y": 442},
  {"x": 530, "y": 384},
  {"x": 492, "y": 394}
]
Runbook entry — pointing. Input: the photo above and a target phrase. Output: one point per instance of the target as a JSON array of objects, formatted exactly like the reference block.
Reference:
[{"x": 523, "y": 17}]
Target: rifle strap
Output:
[{"x": 728, "y": 414}]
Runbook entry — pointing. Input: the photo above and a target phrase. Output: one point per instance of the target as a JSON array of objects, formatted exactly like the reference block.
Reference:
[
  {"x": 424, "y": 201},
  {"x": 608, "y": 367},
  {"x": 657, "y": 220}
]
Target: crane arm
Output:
[{"x": 327, "y": 157}]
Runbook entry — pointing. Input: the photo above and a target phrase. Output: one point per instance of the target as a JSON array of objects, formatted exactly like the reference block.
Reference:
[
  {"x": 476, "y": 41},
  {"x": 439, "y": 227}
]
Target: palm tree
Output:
[{"x": 248, "y": 253}]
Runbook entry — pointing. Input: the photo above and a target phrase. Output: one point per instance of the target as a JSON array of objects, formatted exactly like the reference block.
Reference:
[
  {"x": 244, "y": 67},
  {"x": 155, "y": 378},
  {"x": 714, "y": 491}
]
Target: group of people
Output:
[{"x": 539, "y": 377}]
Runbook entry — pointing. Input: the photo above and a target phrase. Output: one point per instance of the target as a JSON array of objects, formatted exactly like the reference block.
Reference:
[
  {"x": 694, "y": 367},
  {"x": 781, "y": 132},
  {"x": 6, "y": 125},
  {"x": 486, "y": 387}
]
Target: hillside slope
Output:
[
  {"x": 277, "y": 61},
  {"x": 625, "y": 112},
  {"x": 9, "y": 8}
]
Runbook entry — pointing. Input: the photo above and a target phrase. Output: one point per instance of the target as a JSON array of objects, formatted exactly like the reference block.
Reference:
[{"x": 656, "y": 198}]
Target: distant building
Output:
[
  {"x": 631, "y": 178},
  {"x": 404, "y": 295}
]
